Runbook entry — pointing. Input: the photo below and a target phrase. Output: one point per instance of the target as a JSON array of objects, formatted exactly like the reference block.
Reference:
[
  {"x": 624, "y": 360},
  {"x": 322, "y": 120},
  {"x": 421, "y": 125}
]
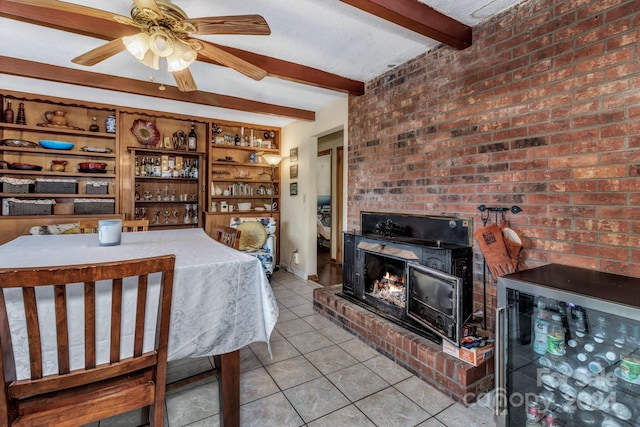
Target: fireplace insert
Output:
[{"x": 423, "y": 285}]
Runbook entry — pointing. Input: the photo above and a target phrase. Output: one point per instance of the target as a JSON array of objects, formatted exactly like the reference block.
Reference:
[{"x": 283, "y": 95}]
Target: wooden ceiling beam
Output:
[
  {"x": 419, "y": 18},
  {"x": 38, "y": 70},
  {"x": 99, "y": 24}
]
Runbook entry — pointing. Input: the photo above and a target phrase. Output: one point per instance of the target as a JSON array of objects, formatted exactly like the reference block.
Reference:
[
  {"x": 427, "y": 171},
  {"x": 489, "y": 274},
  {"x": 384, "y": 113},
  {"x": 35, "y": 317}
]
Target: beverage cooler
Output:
[{"x": 568, "y": 348}]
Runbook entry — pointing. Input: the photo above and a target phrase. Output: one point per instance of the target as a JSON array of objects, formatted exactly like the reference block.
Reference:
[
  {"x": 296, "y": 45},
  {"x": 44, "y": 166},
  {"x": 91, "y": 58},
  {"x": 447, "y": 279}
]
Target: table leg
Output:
[{"x": 229, "y": 389}]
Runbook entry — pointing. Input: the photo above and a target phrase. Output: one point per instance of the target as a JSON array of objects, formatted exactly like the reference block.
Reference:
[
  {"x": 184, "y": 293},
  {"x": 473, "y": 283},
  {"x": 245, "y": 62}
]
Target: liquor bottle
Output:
[
  {"x": 157, "y": 170},
  {"x": 21, "y": 118},
  {"x": 192, "y": 138},
  {"x": 195, "y": 169},
  {"x": 8, "y": 113},
  {"x": 94, "y": 125},
  {"x": 136, "y": 167}
]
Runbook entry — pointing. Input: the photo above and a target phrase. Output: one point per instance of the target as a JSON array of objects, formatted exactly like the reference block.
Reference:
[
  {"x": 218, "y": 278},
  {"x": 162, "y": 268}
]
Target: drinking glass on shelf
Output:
[
  {"x": 166, "y": 217},
  {"x": 194, "y": 214},
  {"x": 156, "y": 216},
  {"x": 143, "y": 213},
  {"x": 187, "y": 214},
  {"x": 174, "y": 220}
]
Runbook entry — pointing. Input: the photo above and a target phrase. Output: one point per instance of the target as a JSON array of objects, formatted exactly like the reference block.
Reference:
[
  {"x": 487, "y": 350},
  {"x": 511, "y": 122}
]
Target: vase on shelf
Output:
[{"x": 7, "y": 115}]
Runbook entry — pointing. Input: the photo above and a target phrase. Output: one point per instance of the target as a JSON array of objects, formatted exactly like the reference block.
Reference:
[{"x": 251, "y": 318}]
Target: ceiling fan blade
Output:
[
  {"x": 61, "y": 6},
  {"x": 241, "y": 24},
  {"x": 100, "y": 53},
  {"x": 184, "y": 80},
  {"x": 225, "y": 58},
  {"x": 148, "y": 4}
]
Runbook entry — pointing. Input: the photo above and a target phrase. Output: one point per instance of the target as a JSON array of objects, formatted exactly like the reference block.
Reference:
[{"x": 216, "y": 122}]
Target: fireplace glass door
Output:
[{"x": 434, "y": 300}]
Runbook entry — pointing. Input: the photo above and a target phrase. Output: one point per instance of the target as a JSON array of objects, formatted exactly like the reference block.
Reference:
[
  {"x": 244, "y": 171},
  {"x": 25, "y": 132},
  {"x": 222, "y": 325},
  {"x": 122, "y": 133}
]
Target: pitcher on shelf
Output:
[{"x": 56, "y": 118}]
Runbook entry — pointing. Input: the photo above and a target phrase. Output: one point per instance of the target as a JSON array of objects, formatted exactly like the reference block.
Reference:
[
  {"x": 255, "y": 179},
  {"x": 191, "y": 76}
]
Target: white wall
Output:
[{"x": 298, "y": 213}]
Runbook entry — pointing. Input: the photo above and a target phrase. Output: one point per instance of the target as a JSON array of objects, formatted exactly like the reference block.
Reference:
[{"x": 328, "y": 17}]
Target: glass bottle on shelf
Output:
[
  {"x": 94, "y": 125},
  {"x": 540, "y": 322},
  {"x": 21, "y": 119},
  {"x": 7, "y": 116},
  {"x": 192, "y": 140},
  {"x": 555, "y": 337}
]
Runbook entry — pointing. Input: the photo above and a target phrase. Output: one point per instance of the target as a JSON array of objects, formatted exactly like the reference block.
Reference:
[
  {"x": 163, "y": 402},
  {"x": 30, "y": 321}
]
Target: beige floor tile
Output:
[
  {"x": 310, "y": 341},
  {"x": 349, "y": 416},
  {"x": 331, "y": 359},
  {"x": 426, "y": 396},
  {"x": 390, "y": 408},
  {"x": 271, "y": 411},
  {"x": 389, "y": 370},
  {"x": 316, "y": 398},
  {"x": 255, "y": 385},
  {"x": 357, "y": 381},
  {"x": 359, "y": 349},
  {"x": 292, "y": 372},
  {"x": 293, "y": 327}
]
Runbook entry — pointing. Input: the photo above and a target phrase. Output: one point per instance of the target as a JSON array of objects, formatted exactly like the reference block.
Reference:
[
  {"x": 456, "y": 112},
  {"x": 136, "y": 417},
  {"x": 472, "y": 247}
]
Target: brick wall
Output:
[{"x": 543, "y": 112}]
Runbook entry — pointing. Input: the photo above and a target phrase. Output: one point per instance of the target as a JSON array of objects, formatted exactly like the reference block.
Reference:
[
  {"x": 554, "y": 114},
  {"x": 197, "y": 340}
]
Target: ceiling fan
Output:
[{"x": 165, "y": 32}]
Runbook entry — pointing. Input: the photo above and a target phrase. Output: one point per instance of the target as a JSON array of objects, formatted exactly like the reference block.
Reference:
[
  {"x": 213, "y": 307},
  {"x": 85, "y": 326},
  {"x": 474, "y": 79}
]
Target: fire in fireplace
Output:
[
  {"x": 385, "y": 279},
  {"x": 423, "y": 284}
]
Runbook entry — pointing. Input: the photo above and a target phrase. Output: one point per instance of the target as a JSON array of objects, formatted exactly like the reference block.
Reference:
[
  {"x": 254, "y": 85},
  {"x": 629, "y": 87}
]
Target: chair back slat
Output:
[
  {"x": 90, "y": 325},
  {"x": 140, "y": 310},
  {"x": 116, "y": 320},
  {"x": 62, "y": 328},
  {"x": 133, "y": 225},
  {"x": 33, "y": 332},
  {"x": 228, "y": 236},
  {"x": 135, "y": 381}
]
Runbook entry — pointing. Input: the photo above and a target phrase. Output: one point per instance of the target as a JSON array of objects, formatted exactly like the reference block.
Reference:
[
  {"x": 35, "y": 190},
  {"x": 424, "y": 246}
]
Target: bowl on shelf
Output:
[
  {"x": 244, "y": 206},
  {"x": 56, "y": 145},
  {"x": 92, "y": 165}
]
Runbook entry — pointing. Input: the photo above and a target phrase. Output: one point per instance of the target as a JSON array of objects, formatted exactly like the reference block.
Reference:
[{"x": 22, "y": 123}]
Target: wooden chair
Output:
[
  {"x": 87, "y": 227},
  {"x": 93, "y": 392},
  {"x": 134, "y": 225},
  {"x": 228, "y": 236}
]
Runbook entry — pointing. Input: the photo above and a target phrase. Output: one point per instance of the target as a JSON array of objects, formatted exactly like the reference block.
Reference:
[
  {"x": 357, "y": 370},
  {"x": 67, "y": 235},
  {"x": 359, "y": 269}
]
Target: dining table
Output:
[{"x": 222, "y": 300}]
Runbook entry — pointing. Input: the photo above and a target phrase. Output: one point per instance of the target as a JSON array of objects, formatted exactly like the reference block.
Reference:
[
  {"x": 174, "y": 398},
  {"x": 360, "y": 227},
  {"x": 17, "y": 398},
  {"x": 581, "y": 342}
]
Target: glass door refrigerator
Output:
[{"x": 568, "y": 348}]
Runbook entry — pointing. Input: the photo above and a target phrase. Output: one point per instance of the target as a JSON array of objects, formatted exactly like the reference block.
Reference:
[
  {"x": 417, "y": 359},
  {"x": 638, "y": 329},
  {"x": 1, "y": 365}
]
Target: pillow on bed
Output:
[{"x": 253, "y": 235}]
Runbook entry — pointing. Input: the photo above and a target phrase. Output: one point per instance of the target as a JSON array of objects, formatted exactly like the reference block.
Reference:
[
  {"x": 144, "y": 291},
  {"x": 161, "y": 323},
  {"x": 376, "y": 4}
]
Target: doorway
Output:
[{"x": 329, "y": 208}]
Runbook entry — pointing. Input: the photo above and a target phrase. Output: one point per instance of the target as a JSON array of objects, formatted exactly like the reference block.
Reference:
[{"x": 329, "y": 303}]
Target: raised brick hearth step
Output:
[{"x": 425, "y": 359}]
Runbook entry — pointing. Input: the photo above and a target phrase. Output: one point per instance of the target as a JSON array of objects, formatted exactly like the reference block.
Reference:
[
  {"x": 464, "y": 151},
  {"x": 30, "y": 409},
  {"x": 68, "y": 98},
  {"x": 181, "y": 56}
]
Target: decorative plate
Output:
[
  {"x": 97, "y": 149},
  {"x": 145, "y": 132},
  {"x": 56, "y": 145},
  {"x": 18, "y": 143}
]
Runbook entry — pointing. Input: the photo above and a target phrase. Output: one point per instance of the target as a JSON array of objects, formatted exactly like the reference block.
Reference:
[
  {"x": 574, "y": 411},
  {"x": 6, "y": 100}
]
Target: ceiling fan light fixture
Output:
[
  {"x": 182, "y": 57},
  {"x": 161, "y": 43},
  {"x": 137, "y": 45},
  {"x": 151, "y": 60}
]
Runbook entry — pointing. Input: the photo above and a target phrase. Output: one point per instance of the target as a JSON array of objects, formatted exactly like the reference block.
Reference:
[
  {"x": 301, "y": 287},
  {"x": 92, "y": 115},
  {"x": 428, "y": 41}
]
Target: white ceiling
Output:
[{"x": 325, "y": 34}]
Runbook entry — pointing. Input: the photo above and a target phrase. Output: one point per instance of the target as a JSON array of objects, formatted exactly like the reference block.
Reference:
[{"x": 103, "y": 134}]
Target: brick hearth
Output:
[{"x": 425, "y": 359}]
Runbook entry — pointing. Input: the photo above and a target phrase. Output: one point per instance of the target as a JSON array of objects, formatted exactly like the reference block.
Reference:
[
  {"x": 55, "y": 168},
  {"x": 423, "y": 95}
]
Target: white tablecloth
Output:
[{"x": 222, "y": 300}]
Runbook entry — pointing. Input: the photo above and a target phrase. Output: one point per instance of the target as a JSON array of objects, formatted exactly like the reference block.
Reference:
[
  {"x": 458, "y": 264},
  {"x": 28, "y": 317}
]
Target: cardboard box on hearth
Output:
[{"x": 475, "y": 356}]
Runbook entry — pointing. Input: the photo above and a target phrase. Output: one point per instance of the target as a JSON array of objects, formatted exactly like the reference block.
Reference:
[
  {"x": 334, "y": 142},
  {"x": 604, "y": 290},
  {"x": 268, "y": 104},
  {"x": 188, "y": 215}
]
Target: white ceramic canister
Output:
[{"x": 109, "y": 232}]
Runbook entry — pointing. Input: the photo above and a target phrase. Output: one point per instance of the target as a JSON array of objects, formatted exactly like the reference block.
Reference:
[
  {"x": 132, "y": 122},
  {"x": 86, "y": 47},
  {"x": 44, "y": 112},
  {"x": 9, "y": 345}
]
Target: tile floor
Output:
[{"x": 319, "y": 375}]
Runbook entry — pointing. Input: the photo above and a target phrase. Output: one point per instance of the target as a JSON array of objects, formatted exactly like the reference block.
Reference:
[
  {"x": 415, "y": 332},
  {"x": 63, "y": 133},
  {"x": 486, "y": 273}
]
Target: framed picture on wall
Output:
[
  {"x": 293, "y": 189},
  {"x": 293, "y": 155},
  {"x": 293, "y": 171}
]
